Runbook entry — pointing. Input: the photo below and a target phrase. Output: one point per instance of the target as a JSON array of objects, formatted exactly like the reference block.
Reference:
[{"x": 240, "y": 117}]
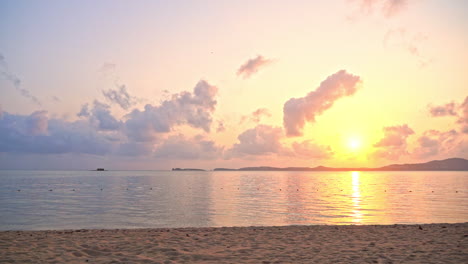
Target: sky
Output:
[{"x": 204, "y": 84}]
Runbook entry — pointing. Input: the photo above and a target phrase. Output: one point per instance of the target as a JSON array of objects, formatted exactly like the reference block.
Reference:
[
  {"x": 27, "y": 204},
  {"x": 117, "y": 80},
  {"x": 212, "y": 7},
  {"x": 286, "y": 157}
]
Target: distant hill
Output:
[{"x": 453, "y": 164}]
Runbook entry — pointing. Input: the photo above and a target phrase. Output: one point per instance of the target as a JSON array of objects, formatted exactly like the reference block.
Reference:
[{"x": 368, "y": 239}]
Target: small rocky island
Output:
[{"x": 187, "y": 169}]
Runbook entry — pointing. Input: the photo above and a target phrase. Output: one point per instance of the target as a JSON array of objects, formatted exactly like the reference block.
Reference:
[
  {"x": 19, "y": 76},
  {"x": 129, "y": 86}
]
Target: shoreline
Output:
[{"x": 425, "y": 243}]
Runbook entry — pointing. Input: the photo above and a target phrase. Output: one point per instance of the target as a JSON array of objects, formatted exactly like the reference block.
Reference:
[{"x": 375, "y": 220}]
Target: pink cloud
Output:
[
  {"x": 256, "y": 115},
  {"x": 261, "y": 140},
  {"x": 309, "y": 149},
  {"x": 443, "y": 110},
  {"x": 463, "y": 118},
  {"x": 394, "y": 143},
  {"x": 393, "y": 7},
  {"x": 298, "y": 111},
  {"x": 453, "y": 109},
  {"x": 435, "y": 143},
  {"x": 252, "y": 66},
  {"x": 389, "y": 8}
]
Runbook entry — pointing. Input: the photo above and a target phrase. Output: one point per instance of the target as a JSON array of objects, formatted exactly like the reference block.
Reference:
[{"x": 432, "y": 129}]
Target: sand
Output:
[{"x": 434, "y": 243}]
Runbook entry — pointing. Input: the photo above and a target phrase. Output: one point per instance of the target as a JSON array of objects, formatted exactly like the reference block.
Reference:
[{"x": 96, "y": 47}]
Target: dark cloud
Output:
[
  {"x": 9, "y": 76},
  {"x": 135, "y": 149},
  {"x": 37, "y": 123},
  {"x": 184, "y": 108},
  {"x": 252, "y": 66},
  {"x": 120, "y": 96},
  {"x": 261, "y": 140},
  {"x": 298, "y": 111},
  {"x": 98, "y": 132},
  {"x": 37, "y": 134},
  {"x": 179, "y": 147},
  {"x": 394, "y": 143}
]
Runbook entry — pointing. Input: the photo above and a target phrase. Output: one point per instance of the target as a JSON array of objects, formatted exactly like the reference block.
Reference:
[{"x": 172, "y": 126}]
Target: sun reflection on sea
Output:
[{"x": 356, "y": 197}]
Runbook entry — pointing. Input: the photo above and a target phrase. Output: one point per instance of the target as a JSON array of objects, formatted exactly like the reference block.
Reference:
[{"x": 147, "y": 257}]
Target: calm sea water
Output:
[{"x": 142, "y": 199}]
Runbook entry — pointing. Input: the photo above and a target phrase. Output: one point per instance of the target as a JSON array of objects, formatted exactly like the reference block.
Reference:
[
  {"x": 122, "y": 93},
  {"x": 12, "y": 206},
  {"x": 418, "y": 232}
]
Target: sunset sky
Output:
[{"x": 206, "y": 84}]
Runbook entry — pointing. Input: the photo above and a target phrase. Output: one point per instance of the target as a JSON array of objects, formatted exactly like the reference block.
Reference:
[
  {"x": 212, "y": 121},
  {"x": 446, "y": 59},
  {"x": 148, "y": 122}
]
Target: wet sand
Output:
[{"x": 433, "y": 243}]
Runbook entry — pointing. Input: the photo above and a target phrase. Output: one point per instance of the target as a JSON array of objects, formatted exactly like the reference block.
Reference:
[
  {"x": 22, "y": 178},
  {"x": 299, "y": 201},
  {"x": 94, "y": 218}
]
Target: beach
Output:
[{"x": 428, "y": 243}]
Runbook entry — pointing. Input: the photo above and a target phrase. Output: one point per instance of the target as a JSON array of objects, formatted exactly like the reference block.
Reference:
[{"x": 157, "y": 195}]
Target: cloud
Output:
[
  {"x": 55, "y": 99},
  {"x": 395, "y": 136},
  {"x": 185, "y": 108},
  {"x": 463, "y": 118},
  {"x": 120, "y": 96},
  {"x": 260, "y": 140},
  {"x": 179, "y": 147},
  {"x": 412, "y": 43},
  {"x": 388, "y": 8},
  {"x": 393, "y": 7},
  {"x": 7, "y": 75},
  {"x": 100, "y": 116},
  {"x": 36, "y": 133},
  {"x": 134, "y": 149},
  {"x": 309, "y": 149},
  {"x": 37, "y": 123},
  {"x": 220, "y": 127},
  {"x": 436, "y": 143},
  {"x": 443, "y": 110},
  {"x": 252, "y": 66},
  {"x": 298, "y": 111},
  {"x": 394, "y": 143},
  {"x": 256, "y": 115},
  {"x": 98, "y": 132},
  {"x": 453, "y": 109},
  {"x": 107, "y": 68}
]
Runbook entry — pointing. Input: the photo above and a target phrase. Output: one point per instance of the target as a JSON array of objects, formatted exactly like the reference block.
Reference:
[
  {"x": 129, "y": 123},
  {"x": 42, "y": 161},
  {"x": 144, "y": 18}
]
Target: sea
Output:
[{"x": 54, "y": 200}]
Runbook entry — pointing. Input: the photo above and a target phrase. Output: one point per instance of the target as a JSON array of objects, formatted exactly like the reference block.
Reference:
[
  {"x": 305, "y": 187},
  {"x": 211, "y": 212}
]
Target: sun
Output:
[{"x": 354, "y": 144}]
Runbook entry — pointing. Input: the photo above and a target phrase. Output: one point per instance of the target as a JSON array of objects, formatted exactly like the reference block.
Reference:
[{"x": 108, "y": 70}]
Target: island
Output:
[
  {"x": 188, "y": 169},
  {"x": 452, "y": 164}
]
